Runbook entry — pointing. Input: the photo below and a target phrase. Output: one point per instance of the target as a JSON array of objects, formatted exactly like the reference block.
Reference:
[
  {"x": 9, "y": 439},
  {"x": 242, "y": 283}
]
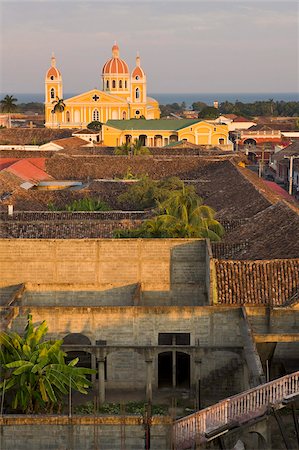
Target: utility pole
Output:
[
  {"x": 291, "y": 158},
  {"x": 261, "y": 163}
]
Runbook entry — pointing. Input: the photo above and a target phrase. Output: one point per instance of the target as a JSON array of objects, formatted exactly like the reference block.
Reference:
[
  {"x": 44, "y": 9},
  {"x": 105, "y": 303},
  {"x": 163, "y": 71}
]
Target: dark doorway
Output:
[
  {"x": 84, "y": 357},
  {"x": 182, "y": 370},
  {"x": 165, "y": 369},
  {"x": 143, "y": 139}
]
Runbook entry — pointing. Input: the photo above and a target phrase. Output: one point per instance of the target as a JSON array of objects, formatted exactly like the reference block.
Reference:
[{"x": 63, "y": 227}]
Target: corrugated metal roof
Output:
[{"x": 152, "y": 124}]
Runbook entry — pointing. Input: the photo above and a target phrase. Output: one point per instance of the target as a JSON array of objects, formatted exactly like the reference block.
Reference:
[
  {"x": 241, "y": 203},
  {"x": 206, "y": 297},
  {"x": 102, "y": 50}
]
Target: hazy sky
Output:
[{"x": 185, "y": 46}]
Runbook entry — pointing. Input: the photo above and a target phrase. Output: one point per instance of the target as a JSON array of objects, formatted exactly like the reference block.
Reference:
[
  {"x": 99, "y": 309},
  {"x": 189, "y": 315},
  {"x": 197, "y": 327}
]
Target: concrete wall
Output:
[
  {"x": 210, "y": 329},
  {"x": 170, "y": 271},
  {"x": 108, "y": 433}
]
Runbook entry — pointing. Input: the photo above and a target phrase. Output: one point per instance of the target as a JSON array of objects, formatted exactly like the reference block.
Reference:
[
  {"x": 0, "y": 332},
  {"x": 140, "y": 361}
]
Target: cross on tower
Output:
[{"x": 95, "y": 97}]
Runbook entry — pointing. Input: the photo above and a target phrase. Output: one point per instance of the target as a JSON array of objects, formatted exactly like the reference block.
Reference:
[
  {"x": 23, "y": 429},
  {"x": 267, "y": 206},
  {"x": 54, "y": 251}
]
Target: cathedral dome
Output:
[{"x": 115, "y": 65}]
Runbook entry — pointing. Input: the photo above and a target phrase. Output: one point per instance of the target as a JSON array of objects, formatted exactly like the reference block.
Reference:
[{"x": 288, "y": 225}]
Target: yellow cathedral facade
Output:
[{"x": 123, "y": 96}]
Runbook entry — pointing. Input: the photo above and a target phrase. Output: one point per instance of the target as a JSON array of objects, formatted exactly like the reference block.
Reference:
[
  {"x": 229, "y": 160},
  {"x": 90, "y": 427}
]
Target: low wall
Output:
[{"x": 82, "y": 433}]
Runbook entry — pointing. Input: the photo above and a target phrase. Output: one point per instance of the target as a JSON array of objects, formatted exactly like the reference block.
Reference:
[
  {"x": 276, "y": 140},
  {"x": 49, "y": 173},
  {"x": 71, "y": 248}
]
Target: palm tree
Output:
[
  {"x": 59, "y": 107},
  {"x": 8, "y": 105},
  {"x": 135, "y": 148},
  {"x": 35, "y": 370},
  {"x": 185, "y": 216}
]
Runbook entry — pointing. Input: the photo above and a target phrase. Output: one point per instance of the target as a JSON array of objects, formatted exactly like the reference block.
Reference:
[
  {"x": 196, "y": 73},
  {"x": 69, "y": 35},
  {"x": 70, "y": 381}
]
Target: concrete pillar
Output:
[
  {"x": 94, "y": 367},
  {"x": 197, "y": 376},
  {"x": 101, "y": 373},
  {"x": 149, "y": 380}
]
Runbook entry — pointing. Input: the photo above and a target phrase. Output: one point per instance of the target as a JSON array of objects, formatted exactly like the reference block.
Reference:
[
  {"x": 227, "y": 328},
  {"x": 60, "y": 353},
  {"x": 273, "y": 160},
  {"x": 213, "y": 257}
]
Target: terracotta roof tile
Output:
[
  {"x": 257, "y": 282},
  {"x": 25, "y": 170}
]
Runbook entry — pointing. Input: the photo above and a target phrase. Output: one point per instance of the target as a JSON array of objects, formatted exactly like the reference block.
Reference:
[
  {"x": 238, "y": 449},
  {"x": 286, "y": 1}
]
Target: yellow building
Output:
[
  {"x": 123, "y": 96},
  {"x": 158, "y": 133}
]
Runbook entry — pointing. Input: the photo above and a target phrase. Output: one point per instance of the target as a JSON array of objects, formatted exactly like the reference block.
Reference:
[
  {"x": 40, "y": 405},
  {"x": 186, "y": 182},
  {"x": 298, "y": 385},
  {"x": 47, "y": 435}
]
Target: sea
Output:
[{"x": 188, "y": 98}]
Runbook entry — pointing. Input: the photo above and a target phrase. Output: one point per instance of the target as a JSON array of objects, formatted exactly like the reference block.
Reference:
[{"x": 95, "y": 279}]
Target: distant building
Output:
[
  {"x": 158, "y": 133},
  {"x": 123, "y": 96}
]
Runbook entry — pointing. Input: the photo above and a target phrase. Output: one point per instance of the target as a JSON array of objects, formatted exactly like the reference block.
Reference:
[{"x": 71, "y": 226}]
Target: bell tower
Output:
[
  {"x": 53, "y": 82},
  {"x": 138, "y": 83}
]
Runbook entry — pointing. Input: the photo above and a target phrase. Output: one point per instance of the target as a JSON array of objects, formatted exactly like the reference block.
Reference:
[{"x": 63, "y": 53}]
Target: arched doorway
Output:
[
  {"x": 250, "y": 142},
  {"x": 173, "y": 138},
  {"x": 158, "y": 140},
  {"x": 84, "y": 357},
  {"x": 143, "y": 139},
  {"x": 77, "y": 116},
  {"x": 174, "y": 370}
]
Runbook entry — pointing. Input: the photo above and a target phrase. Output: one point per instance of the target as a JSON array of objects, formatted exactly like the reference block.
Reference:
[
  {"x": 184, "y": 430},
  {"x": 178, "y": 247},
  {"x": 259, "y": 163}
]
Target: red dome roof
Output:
[
  {"x": 115, "y": 66},
  {"x": 53, "y": 71}
]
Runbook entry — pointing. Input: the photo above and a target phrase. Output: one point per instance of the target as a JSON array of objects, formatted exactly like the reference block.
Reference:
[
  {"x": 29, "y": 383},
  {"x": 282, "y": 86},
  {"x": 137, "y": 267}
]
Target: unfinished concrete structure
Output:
[{"x": 156, "y": 314}]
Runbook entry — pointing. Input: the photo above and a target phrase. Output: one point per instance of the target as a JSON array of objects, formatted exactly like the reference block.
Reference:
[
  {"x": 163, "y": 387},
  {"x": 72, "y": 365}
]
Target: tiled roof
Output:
[
  {"x": 25, "y": 170},
  {"x": 86, "y": 131},
  {"x": 257, "y": 282},
  {"x": 240, "y": 119},
  {"x": 71, "y": 142},
  {"x": 153, "y": 124},
  {"x": 271, "y": 233},
  {"x": 292, "y": 149}
]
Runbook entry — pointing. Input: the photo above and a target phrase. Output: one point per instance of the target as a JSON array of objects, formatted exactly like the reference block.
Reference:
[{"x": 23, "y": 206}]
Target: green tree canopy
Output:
[
  {"x": 198, "y": 106},
  {"x": 95, "y": 125},
  {"x": 181, "y": 215},
  {"x": 34, "y": 370},
  {"x": 135, "y": 148},
  {"x": 147, "y": 193},
  {"x": 209, "y": 112}
]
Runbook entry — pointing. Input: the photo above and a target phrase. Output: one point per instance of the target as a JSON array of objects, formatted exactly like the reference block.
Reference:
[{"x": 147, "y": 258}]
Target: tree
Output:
[
  {"x": 198, "y": 106},
  {"x": 135, "y": 148},
  {"x": 95, "y": 125},
  {"x": 148, "y": 193},
  {"x": 186, "y": 216},
  {"x": 59, "y": 107},
  {"x": 35, "y": 371},
  {"x": 181, "y": 215},
  {"x": 8, "y": 105},
  {"x": 209, "y": 112}
]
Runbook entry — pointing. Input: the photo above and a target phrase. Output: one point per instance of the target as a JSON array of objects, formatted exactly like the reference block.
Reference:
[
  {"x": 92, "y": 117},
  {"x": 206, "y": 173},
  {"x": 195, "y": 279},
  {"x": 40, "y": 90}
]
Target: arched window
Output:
[
  {"x": 113, "y": 84},
  {"x": 96, "y": 115},
  {"x": 52, "y": 93},
  {"x": 125, "y": 84},
  {"x": 124, "y": 115},
  {"x": 107, "y": 84},
  {"x": 68, "y": 116},
  {"x": 137, "y": 93},
  {"x": 120, "y": 84}
]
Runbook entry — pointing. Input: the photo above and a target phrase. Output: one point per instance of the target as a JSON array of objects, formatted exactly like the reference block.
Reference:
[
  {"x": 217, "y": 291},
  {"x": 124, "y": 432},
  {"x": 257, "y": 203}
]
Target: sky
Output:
[{"x": 185, "y": 46}]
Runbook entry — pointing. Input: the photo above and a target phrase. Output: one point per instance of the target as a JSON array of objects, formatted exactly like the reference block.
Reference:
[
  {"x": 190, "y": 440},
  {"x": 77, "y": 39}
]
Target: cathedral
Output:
[{"x": 123, "y": 96}]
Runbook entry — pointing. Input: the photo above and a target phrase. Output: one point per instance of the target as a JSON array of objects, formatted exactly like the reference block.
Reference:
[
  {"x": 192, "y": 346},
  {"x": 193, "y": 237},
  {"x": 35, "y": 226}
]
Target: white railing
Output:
[{"x": 240, "y": 408}]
